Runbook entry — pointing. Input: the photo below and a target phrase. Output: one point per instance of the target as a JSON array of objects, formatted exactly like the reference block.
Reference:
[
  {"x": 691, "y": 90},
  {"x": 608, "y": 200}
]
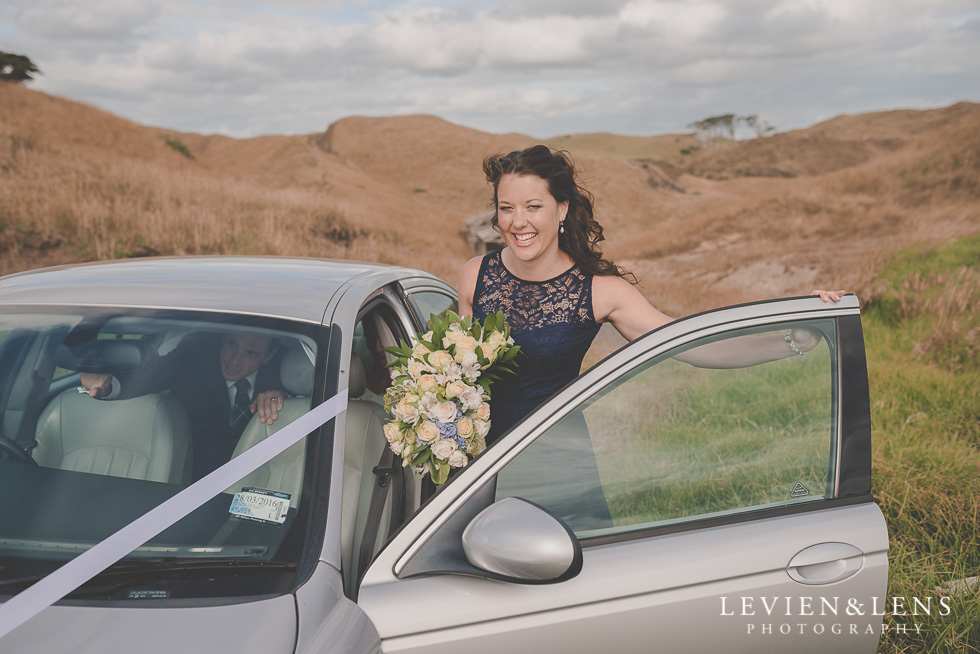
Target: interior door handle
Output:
[{"x": 825, "y": 563}]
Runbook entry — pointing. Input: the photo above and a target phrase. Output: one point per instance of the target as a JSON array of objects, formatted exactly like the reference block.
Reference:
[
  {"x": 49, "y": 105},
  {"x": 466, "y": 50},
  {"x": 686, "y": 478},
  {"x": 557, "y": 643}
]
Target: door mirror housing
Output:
[{"x": 518, "y": 541}]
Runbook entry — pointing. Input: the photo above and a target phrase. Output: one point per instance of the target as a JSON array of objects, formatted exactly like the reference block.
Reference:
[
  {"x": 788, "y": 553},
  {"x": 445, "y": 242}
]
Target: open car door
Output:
[{"x": 652, "y": 505}]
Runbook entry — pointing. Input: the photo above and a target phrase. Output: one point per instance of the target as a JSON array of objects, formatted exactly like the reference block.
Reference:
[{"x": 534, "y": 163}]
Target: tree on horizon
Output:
[{"x": 17, "y": 68}]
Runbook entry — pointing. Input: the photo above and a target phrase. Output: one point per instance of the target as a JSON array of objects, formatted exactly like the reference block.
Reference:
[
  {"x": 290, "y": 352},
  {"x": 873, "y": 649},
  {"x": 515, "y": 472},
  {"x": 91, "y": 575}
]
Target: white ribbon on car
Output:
[{"x": 31, "y": 601}]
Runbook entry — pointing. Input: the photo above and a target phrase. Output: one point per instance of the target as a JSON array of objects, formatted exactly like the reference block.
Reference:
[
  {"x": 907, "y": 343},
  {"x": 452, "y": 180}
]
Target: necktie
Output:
[{"x": 239, "y": 410}]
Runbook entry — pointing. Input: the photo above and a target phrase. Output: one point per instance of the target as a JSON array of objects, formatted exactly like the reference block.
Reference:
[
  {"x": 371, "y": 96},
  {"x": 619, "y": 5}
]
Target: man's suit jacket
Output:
[{"x": 192, "y": 372}]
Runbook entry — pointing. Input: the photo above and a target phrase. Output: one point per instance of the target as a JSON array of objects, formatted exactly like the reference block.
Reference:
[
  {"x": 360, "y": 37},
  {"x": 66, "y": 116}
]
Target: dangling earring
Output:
[{"x": 561, "y": 227}]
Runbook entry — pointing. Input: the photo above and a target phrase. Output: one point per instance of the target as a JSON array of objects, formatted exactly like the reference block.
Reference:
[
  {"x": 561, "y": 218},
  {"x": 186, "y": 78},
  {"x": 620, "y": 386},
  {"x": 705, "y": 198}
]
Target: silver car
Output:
[{"x": 647, "y": 506}]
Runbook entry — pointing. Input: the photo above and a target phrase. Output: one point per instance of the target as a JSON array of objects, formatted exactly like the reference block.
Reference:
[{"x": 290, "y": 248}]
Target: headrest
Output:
[
  {"x": 296, "y": 373},
  {"x": 357, "y": 380}
]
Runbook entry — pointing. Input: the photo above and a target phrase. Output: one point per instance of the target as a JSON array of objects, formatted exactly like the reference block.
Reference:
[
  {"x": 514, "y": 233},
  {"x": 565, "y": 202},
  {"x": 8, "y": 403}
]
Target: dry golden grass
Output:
[
  {"x": 79, "y": 184},
  {"x": 603, "y": 144}
]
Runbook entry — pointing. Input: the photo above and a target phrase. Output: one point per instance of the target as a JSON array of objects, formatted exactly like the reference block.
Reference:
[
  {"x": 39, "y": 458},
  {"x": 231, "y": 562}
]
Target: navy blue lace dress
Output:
[{"x": 553, "y": 323}]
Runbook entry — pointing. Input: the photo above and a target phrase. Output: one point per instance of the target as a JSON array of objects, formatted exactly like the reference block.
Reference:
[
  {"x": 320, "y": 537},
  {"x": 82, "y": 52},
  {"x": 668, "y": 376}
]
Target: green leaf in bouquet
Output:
[
  {"x": 422, "y": 458},
  {"x": 482, "y": 360},
  {"x": 438, "y": 471},
  {"x": 484, "y": 384},
  {"x": 510, "y": 354}
]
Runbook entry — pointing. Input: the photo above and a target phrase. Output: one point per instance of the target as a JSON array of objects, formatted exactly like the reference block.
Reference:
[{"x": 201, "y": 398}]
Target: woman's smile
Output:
[{"x": 524, "y": 240}]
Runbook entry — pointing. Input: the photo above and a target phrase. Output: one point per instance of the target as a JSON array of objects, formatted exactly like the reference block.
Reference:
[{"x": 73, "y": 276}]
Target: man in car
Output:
[{"x": 221, "y": 379}]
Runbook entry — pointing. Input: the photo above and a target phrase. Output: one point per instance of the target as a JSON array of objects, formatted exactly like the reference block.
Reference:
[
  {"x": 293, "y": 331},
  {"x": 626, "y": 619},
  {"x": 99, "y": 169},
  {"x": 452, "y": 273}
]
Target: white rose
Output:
[
  {"x": 489, "y": 352},
  {"x": 428, "y": 432},
  {"x": 452, "y": 336},
  {"x": 482, "y": 427},
  {"x": 464, "y": 345},
  {"x": 405, "y": 409},
  {"x": 496, "y": 339},
  {"x": 397, "y": 447},
  {"x": 483, "y": 411},
  {"x": 464, "y": 427},
  {"x": 457, "y": 459},
  {"x": 392, "y": 433},
  {"x": 420, "y": 350},
  {"x": 428, "y": 382},
  {"x": 445, "y": 411},
  {"x": 440, "y": 359},
  {"x": 472, "y": 399},
  {"x": 456, "y": 388},
  {"x": 427, "y": 336},
  {"x": 443, "y": 449}
]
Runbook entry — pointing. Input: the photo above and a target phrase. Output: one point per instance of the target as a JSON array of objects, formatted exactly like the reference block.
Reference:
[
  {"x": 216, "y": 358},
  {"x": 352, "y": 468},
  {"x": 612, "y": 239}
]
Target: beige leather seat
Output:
[
  {"x": 363, "y": 444},
  {"x": 147, "y": 437},
  {"x": 284, "y": 472}
]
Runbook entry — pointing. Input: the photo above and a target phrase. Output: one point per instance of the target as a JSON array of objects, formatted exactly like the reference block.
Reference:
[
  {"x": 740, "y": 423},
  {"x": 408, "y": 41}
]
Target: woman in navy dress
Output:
[{"x": 555, "y": 287}]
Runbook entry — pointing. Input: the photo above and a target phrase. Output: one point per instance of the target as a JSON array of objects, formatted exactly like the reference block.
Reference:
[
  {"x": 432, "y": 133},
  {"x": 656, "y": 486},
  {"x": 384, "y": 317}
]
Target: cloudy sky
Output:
[{"x": 542, "y": 67}]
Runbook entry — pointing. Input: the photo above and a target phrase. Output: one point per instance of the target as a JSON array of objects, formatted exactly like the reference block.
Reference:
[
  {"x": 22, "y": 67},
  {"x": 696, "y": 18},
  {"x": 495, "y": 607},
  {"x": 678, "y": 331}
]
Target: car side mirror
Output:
[{"x": 518, "y": 541}]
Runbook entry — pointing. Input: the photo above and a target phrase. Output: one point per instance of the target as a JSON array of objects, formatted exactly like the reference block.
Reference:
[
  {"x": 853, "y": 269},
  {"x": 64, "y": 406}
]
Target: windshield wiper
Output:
[{"x": 140, "y": 571}]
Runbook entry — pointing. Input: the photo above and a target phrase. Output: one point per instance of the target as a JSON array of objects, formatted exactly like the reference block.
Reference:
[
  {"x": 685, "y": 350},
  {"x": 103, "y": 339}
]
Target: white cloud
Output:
[
  {"x": 542, "y": 67},
  {"x": 684, "y": 20},
  {"x": 98, "y": 19}
]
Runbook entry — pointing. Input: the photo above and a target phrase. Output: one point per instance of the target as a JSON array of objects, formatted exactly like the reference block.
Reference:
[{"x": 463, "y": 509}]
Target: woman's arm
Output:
[
  {"x": 467, "y": 285},
  {"x": 615, "y": 300}
]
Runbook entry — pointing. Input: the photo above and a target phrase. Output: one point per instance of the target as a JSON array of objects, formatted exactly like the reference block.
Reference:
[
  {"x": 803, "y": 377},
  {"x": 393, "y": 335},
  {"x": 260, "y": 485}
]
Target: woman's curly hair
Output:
[{"x": 582, "y": 231}]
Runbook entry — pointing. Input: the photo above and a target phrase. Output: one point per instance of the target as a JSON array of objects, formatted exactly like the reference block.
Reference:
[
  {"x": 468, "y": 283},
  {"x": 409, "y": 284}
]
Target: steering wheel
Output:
[{"x": 12, "y": 450}]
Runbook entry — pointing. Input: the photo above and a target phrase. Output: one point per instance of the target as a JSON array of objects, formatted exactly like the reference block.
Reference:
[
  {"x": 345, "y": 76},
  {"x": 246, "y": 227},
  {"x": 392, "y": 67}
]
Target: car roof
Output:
[{"x": 295, "y": 288}]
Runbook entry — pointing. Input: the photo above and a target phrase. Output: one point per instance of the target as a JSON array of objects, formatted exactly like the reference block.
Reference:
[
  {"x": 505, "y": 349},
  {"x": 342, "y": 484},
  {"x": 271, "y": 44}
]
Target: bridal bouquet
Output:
[{"x": 440, "y": 391}]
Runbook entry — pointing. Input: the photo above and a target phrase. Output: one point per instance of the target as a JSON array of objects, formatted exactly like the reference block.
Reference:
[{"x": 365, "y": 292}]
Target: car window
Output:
[
  {"x": 168, "y": 421},
  {"x": 668, "y": 442},
  {"x": 427, "y": 303}
]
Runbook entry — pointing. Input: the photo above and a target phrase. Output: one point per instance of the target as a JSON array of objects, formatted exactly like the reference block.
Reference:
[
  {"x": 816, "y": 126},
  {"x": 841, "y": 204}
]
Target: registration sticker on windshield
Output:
[{"x": 260, "y": 505}]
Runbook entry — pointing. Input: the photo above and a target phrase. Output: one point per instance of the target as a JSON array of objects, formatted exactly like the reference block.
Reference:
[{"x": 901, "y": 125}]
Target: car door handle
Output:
[{"x": 825, "y": 563}]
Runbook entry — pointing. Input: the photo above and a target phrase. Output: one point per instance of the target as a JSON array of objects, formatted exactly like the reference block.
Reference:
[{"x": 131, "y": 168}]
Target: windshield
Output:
[{"x": 104, "y": 414}]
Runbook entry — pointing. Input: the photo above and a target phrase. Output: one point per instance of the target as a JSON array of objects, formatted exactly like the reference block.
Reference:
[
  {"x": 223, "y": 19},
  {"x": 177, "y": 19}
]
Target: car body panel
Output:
[
  {"x": 663, "y": 586},
  {"x": 657, "y": 594},
  {"x": 260, "y": 627},
  {"x": 299, "y": 289},
  {"x": 658, "y": 589},
  {"x": 329, "y": 623}
]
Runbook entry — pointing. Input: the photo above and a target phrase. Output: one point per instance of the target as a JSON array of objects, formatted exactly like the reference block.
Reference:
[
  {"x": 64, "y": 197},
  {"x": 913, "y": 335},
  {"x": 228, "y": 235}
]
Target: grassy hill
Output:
[
  {"x": 875, "y": 203},
  {"x": 766, "y": 217}
]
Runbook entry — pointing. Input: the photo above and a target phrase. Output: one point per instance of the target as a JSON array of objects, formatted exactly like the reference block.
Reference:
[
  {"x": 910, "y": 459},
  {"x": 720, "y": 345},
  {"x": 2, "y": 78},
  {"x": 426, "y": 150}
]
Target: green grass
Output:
[{"x": 921, "y": 331}]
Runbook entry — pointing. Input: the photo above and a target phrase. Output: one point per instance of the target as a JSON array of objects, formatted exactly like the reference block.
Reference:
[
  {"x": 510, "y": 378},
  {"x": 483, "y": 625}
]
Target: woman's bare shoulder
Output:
[
  {"x": 467, "y": 284},
  {"x": 469, "y": 273}
]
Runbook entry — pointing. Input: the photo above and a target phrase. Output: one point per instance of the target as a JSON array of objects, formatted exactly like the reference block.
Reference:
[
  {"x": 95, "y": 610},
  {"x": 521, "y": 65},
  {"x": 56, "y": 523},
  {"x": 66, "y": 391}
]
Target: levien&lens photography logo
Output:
[{"x": 832, "y": 616}]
